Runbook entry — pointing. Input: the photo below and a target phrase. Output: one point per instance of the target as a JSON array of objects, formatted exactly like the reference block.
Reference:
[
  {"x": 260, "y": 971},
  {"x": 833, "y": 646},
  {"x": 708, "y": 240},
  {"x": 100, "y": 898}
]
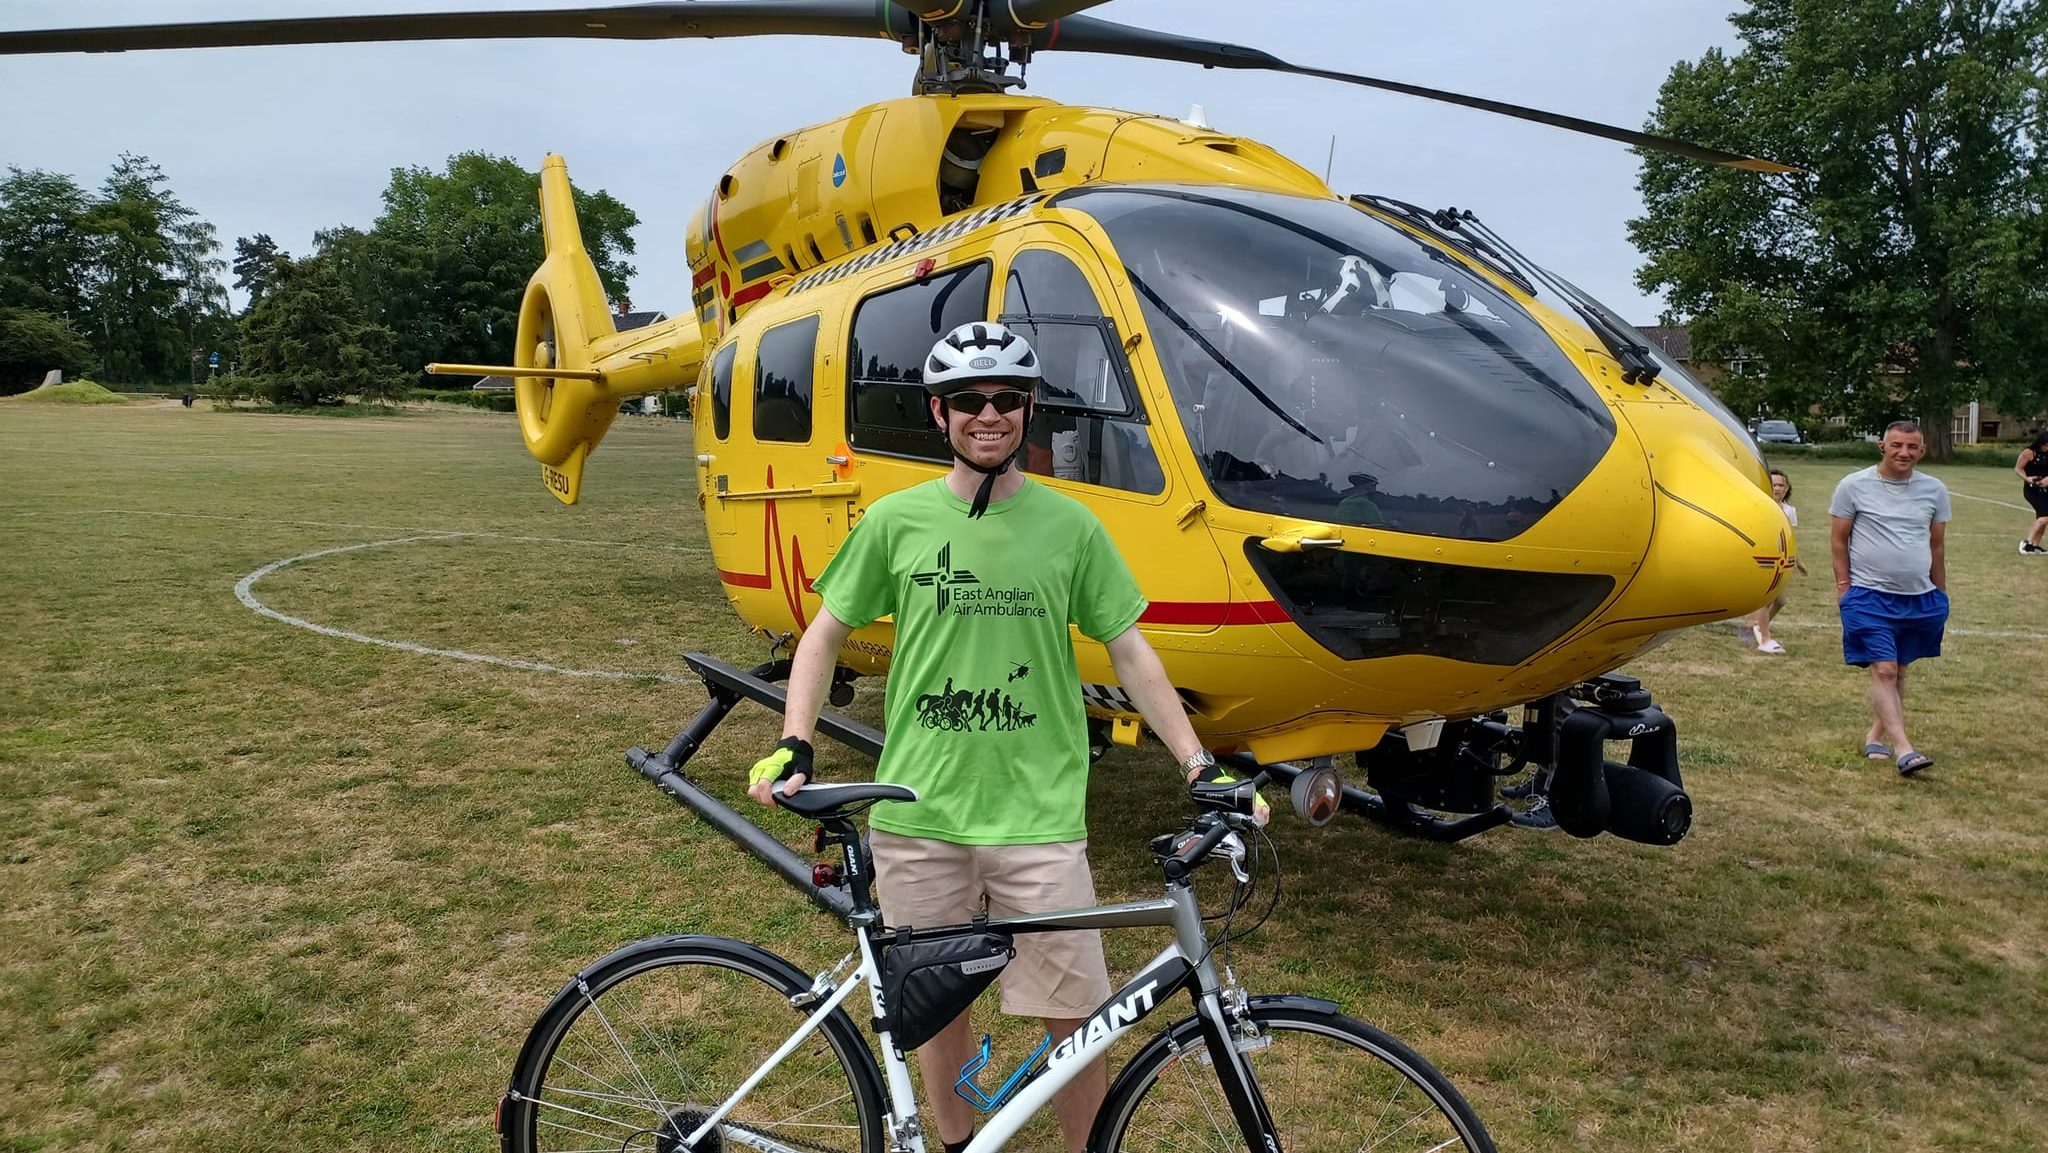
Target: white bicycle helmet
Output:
[{"x": 980, "y": 352}]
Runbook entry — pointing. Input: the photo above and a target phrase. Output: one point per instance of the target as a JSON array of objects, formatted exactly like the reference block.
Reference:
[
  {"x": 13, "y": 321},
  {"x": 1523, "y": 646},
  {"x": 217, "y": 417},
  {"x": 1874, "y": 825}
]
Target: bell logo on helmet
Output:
[{"x": 978, "y": 352}]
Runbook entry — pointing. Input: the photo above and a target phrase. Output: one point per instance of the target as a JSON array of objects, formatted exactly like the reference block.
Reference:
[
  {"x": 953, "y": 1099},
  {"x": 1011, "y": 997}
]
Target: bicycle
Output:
[{"x": 692, "y": 1044}]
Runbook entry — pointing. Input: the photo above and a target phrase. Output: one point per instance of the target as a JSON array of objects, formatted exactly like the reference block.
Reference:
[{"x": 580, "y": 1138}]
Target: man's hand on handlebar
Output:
[
  {"x": 1214, "y": 787},
  {"x": 789, "y": 765}
]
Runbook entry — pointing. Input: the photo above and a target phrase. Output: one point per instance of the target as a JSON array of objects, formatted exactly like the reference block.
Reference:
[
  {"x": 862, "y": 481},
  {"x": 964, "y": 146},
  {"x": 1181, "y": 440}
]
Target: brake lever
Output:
[{"x": 1232, "y": 847}]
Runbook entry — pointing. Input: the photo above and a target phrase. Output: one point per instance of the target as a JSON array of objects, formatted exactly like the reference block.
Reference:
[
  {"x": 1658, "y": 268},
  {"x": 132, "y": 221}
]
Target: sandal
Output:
[
  {"x": 1877, "y": 752},
  {"x": 1913, "y": 762},
  {"x": 1770, "y": 646}
]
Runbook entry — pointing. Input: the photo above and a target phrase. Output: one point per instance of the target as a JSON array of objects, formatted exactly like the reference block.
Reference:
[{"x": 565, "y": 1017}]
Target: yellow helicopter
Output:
[{"x": 1394, "y": 491}]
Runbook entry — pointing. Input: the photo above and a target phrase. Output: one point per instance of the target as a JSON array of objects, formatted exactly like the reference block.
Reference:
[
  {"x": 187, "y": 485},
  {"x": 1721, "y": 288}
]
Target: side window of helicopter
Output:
[
  {"x": 1089, "y": 425},
  {"x": 782, "y": 381},
  {"x": 893, "y": 330},
  {"x": 721, "y": 391}
]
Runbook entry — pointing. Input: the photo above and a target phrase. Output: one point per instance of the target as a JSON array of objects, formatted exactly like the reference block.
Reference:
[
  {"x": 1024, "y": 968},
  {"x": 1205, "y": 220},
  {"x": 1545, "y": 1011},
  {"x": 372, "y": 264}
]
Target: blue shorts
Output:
[{"x": 1880, "y": 626}]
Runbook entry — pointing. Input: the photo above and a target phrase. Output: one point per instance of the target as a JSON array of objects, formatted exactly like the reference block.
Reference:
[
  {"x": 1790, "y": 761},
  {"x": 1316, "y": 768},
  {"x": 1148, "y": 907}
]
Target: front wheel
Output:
[
  {"x": 641, "y": 1048},
  {"x": 1332, "y": 1084}
]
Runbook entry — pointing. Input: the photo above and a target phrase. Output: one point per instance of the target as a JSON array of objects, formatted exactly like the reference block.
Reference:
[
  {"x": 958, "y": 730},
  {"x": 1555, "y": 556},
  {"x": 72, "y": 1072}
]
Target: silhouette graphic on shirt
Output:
[{"x": 979, "y": 710}]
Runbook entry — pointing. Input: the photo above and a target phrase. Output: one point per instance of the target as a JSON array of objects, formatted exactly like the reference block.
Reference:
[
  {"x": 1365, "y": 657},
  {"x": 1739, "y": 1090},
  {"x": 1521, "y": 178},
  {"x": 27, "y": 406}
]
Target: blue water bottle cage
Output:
[{"x": 972, "y": 1093}]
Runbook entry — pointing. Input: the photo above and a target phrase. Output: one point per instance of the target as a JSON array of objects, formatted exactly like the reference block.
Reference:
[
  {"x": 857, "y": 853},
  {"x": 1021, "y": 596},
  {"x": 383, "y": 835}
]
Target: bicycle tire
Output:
[
  {"x": 639, "y": 1048},
  {"x": 1330, "y": 1082}
]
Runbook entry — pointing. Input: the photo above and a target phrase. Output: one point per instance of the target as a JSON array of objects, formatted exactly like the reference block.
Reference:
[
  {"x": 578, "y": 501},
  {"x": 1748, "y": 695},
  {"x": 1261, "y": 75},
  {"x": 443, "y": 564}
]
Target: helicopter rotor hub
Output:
[{"x": 956, "y": 56}]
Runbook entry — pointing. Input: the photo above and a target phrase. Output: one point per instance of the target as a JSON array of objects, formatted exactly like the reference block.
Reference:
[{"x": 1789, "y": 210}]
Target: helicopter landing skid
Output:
[{"x": 728, "y": 686}]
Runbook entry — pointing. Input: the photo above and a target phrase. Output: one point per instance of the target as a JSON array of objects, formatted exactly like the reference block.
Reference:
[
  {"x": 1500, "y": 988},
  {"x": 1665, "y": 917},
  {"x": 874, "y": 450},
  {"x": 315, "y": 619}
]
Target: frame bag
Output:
[{"x": 925, "y": 984}]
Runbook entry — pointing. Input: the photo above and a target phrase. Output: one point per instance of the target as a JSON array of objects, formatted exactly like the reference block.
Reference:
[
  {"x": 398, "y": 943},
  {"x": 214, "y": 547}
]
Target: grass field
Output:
[{"x": 267, "y": 888}]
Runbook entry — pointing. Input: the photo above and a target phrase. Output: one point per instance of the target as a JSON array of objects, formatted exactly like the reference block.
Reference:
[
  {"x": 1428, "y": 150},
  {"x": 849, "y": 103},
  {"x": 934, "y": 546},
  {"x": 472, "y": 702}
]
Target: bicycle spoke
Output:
[
  {"x": 626, "y": 1143},
  {"x": 614, "y": 1098},
  {"x": 647, "y": 1053},
  {"x": 1331, "y": 1085},
  {"x": 591, "y": 1003}
]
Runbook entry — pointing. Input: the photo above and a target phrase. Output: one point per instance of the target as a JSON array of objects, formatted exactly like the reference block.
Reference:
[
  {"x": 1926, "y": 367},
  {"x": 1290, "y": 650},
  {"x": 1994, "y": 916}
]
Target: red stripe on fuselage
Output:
[
  {"x": 751, "y": 294},
  {"x": 1214, "y": 613}
]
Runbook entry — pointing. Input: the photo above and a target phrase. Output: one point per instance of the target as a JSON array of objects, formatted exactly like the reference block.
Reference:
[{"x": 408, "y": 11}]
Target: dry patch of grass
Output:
[{"x": 262, "y": 886}]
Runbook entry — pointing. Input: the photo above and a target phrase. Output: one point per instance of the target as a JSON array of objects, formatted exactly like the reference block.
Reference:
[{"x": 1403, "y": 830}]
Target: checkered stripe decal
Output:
[
  {"x": 1107, "y": 697},
  {"x": 951, "y": 230},
  {"x": 1114, "y": 699}
]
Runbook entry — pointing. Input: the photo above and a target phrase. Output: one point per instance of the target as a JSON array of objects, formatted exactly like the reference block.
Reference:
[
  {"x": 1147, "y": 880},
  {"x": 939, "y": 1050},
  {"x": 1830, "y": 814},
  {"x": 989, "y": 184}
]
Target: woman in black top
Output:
[{"x": 2033, "y": 469}]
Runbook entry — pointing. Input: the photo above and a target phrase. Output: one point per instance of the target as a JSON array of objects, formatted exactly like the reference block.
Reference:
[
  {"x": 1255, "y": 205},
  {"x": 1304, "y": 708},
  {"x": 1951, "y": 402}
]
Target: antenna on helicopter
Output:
[{"x": 1197, "y": 117}]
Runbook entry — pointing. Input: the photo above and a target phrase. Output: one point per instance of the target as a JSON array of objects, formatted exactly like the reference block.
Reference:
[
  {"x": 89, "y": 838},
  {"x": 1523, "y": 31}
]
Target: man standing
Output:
[
  {"x": 983, "y": 570},
  {"x": 1891, "y": 577}
]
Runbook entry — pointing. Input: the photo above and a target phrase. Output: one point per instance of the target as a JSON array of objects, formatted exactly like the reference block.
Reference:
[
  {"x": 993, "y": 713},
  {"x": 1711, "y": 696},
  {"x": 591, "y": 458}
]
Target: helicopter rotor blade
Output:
[
  {"x": 663, "y": 21},
  {"x": 1031, "y": 15},
  {"x": 1087, "y": 34}
]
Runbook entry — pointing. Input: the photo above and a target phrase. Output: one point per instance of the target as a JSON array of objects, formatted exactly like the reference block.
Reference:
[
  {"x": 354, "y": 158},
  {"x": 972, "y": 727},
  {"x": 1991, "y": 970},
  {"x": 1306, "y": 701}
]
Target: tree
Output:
[
  {"x": 32, "y": 343},
  {"x": 155, "y": 277},
  {"x": 450, "y": 255},
  {"x": 311, "y": 341},
  {"x": 1902, "y": 272},
  {"x": 256, "y": 263},
  {"x": 46, "y": 251}
]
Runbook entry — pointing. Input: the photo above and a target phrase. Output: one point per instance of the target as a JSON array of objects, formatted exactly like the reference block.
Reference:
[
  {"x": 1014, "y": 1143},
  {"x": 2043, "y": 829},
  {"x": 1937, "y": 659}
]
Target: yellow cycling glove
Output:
[
  {"x": 791, "y": 756},
  {"x": 1214, "y": 774}
]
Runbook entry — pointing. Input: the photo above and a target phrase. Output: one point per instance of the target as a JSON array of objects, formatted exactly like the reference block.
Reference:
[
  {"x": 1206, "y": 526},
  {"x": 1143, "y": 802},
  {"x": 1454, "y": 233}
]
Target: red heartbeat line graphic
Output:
[{"x": 775, "y": 563}]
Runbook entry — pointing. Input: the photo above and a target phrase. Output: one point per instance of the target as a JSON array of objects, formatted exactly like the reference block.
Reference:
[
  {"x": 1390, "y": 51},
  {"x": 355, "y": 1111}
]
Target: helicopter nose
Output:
[{"x": 1720, "y": 546}]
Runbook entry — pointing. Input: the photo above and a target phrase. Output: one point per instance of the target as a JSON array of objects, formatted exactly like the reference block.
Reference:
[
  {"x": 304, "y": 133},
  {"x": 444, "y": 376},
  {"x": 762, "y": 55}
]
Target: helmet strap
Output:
[
  {"x": 989, "y": 473},
  {"x": 988, "y": 484}
]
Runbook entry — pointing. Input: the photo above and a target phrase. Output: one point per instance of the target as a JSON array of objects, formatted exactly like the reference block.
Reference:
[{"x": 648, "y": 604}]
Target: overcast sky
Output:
[{"x": 291, "y": 140}]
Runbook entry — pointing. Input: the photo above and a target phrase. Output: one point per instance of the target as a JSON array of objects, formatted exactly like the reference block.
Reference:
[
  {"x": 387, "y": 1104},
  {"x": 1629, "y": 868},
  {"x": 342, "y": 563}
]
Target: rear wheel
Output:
[
  {"x": 1332, "y": 1084},
  {"x": 638, "y": 1051}
]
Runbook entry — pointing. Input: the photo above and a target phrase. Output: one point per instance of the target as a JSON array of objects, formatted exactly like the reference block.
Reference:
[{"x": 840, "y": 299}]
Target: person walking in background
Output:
[
  {"x": 2033, "y": 469},
  {"x": 1760, "y": 623},
  {"x": 1888, "y": 538}
]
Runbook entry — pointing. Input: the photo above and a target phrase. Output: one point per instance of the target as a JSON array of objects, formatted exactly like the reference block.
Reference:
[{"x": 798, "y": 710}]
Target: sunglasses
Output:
[{"x": 970, "y": 403}]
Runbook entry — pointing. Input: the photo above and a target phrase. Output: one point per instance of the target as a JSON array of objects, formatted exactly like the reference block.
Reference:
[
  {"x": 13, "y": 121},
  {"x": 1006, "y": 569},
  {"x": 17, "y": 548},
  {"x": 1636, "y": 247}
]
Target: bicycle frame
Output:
[{"x": 1184, "y": 962}]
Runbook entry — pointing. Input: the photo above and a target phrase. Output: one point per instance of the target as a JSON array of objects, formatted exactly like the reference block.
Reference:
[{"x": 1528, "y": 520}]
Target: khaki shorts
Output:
[{"x": 925, "y": 883}]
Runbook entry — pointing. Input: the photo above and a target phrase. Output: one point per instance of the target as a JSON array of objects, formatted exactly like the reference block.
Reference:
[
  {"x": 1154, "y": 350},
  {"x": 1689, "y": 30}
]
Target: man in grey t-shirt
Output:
[{"x": 1888, "y": 534}]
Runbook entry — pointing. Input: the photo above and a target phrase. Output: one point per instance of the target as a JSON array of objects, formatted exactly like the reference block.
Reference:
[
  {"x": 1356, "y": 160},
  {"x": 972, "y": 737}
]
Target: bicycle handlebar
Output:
[{"x": 1180, "y": 854}]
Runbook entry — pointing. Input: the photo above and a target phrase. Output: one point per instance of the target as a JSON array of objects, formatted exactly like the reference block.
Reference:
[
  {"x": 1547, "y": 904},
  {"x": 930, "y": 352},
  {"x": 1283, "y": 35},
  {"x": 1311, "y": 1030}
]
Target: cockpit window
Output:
[
  {"x": 1088, "y": 424},
  {"x": 1329, "y": 366}
]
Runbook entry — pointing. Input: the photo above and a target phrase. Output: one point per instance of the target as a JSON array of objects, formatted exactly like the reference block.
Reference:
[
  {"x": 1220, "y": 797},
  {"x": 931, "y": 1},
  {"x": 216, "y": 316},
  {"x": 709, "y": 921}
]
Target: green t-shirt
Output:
[{"x": 984, "y": 708}]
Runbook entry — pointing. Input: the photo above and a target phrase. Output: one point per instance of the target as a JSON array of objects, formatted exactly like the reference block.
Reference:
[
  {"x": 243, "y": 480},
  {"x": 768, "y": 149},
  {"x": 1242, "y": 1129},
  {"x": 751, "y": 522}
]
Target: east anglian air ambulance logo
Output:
[{"x": 944, "y": 577}]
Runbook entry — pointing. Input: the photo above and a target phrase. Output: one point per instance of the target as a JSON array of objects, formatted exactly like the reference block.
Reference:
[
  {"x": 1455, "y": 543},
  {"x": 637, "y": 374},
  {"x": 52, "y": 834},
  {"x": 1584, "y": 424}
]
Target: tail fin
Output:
[{"x": 565, "y": 323}]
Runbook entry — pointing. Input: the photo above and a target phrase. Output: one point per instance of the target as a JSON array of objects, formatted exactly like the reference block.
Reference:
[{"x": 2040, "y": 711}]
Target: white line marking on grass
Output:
[
  {"x": 1988, "y": 500},
  {"x": 399, "y": 527},
  {"x": 244, "y": 591}
]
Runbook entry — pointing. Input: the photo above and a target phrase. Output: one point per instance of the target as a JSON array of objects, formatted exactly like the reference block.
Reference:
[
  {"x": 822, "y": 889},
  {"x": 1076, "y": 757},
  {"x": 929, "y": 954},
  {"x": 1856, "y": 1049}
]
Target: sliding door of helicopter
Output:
[
  {"x": 1092, "y": 434},
  {"x": 782, "y": 499}
]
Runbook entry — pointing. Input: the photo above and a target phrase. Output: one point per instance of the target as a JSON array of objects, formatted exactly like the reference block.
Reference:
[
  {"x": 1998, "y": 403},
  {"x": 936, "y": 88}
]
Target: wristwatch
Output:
[{"x": 1202, "y": 760}]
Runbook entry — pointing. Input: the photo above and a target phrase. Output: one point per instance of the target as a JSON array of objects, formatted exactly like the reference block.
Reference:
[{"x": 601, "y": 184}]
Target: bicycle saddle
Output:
[{"x": 821, "y": 802}]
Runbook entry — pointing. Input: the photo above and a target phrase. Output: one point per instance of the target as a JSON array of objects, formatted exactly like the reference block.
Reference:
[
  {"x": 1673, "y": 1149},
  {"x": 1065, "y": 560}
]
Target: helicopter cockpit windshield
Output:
[{"x": 1331, "y": 367}]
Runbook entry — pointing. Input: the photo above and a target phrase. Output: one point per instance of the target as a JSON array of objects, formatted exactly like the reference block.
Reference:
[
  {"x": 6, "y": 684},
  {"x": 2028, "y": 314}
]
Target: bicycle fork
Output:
[{"x": 1234, "y": 1074}]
